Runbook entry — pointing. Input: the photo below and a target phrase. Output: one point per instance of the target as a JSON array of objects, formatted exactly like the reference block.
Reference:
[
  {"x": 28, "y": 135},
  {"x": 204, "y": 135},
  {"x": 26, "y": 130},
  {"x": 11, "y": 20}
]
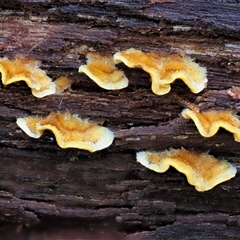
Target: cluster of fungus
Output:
[
  {"x": 163, "y": 69},
  {"x": 202, "y": 170}
]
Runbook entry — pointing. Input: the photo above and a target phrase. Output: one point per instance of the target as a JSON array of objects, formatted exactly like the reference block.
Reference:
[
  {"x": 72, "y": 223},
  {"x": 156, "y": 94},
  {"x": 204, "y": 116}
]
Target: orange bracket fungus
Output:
[
  {"x": 165, "y": 69},
  {"x": 102, "y": 70},
  {"x": 69, "y": 130},
  {"x": 24, "y": 69},
  {"x": 202, "y": 170},
  {"x": 208, "y": 122}
]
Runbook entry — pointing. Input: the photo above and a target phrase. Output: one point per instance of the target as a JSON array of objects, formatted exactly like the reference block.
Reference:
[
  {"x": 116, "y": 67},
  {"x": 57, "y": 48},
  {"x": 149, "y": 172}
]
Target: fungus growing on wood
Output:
[
  {"x": 165, "y": 69},
  {"x": 24, "y": 69},
  {"x": 208, "y": 122},
  {"x": 102, "y": 70},
  {"x": 69, "y": 130},
  {"x": 62, "y": 83},
  {"x": 202, "y": 170}
]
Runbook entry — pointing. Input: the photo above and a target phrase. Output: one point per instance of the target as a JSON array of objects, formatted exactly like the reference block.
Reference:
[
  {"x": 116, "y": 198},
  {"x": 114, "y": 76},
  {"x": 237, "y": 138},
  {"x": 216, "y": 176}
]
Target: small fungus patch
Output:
[{"x": 62, "y": 83}]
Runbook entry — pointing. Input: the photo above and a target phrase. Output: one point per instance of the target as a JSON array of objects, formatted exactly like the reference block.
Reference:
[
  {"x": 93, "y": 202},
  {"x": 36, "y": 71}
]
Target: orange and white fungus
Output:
[
  {"x": 165, "y": 69},
  {"x": 24, "y": 69},
  {"x": 102, "y": 70},
  {"x": 202, "y": 170},
  {"x": 208, "y": 122},
  {"x": 69, "y": 130}
]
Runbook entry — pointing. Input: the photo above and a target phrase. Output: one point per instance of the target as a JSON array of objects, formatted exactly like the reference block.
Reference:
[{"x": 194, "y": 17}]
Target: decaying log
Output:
[{"x": 71, "y": 193}]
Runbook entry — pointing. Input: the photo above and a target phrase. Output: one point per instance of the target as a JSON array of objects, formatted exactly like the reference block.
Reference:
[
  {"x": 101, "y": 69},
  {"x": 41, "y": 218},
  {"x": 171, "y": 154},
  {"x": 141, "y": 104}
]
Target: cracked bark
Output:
[{"x": 46, "y": 190}]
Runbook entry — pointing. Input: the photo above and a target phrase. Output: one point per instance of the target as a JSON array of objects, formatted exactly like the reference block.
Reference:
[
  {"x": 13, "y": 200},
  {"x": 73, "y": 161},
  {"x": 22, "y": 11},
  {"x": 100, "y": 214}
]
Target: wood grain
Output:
[{"x": 45, "y": 189}]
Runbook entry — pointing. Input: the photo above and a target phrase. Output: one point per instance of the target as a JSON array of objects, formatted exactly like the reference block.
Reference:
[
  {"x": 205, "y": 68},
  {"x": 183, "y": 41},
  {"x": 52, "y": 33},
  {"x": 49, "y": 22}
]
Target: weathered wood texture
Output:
[{"x": 107, "y": 194}]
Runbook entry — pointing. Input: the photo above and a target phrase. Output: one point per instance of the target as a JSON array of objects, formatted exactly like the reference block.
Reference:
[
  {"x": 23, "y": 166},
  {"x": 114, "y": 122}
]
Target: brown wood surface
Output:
[{"x": 50, "y": 193}]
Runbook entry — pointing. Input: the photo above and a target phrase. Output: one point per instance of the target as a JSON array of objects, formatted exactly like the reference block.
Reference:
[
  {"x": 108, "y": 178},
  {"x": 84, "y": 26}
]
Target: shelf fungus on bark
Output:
[
  {"x": 202, "y": 170},
  {"x": 102, "y": 70},
  {"x": 69, "y": 130},
  {"x": 165, "y": 69},
  {"x": 24, "y": 69},
  {"x": 208, "y": 122}
]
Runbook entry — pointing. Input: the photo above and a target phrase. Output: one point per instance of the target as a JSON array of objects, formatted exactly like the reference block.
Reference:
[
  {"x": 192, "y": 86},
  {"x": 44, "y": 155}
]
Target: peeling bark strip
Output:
[{"x": 41, "y": 184}]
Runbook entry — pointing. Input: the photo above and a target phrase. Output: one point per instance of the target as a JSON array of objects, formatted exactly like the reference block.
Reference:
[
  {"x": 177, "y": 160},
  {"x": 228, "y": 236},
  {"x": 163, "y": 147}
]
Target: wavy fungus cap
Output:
[
  {"x": 202, "y": 170},
  {"x": 102, "y": 70},
  {"x": 165, "y": 69},
  {"x": 208, "y": 122},
  {"x": 69, "y": 130},
  {"x": 24, "y": 69}
]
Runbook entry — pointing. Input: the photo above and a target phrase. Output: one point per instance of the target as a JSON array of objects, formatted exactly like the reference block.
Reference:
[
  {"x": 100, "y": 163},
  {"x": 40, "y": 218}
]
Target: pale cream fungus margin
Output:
[
  {"x": 70, "y": 131},
  {"x": 165, "y": 69},
  {"x": 201, "y": 169}
]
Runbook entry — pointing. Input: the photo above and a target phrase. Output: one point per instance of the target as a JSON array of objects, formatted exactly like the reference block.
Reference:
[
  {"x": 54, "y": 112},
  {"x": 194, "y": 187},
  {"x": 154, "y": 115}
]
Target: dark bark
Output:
[{"x": 107, "y": 194}]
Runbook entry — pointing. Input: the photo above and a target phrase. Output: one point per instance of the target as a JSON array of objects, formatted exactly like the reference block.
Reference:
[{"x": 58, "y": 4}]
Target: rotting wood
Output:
[{"x": 41, "y": 184}]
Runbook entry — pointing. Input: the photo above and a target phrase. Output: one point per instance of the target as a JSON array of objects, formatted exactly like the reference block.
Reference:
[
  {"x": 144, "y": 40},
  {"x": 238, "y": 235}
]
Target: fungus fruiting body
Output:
[
  {"x": 62, "y": 83},
  {"x": 69, "y": 130},
  {"x": 165, "y": 69},
  {"x": 208, "y": 122},
  {"x": 24, "y": 69},
  {"x": 102, "y": 70},
  {"x": 202, "y": 170}
]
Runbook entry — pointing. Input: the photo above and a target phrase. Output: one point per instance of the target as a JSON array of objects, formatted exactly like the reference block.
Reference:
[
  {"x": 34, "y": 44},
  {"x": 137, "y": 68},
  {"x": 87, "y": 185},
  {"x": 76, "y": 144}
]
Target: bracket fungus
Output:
[
  {"x": 69, "y": 130},
  {"x": 102, "y": 70},
  {"x": 202, "y": 170},
  {"x": 208, "y": 122},
  {"x": 165, "y": 69},
  {"x": 24, "y": 69}
]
